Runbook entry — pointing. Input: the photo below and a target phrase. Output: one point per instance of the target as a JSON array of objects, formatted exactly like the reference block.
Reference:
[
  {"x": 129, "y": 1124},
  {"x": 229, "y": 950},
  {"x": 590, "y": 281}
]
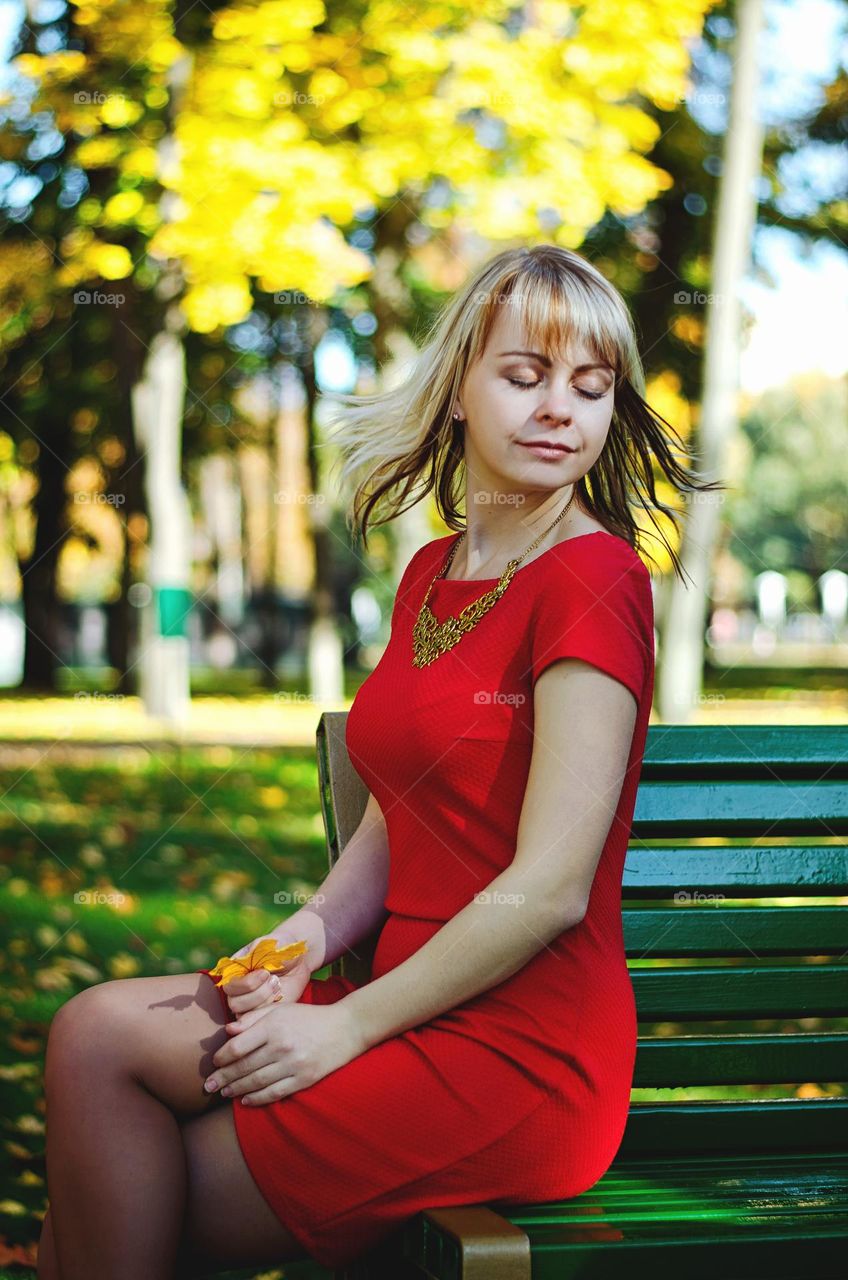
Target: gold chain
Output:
[{"x": 431, "y": 638}]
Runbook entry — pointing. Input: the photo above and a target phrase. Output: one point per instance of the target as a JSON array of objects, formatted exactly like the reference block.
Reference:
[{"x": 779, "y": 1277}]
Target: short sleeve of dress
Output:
[{"x": 596, "y": 606}]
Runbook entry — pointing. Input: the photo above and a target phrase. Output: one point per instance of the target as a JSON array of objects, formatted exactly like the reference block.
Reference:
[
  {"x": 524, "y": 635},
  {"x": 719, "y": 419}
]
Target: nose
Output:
[{"x": 557, "y": 404}]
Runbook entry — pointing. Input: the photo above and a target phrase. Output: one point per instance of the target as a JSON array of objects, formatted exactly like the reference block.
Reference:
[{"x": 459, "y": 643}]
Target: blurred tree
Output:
[
  {"x": 502, "y": 123},
  {"x": 81, "y": 126},
  {"x": 791, "y": 512}
]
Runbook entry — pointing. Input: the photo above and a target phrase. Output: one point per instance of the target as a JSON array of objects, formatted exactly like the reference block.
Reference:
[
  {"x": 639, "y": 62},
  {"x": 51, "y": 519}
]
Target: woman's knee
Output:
[
  {"x": 163, "y": 1031},
  {"x": 83, "y": 1025}
]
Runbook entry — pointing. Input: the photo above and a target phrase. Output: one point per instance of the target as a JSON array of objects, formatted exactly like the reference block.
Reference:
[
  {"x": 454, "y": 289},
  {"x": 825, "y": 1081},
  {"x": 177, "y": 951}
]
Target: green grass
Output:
[{"x": 181, "y": 854}]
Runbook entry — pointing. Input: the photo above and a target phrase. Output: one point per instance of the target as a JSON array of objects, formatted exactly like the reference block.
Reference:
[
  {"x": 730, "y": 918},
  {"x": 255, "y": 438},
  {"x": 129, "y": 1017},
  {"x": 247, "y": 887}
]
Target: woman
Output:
[{"x": 500, "y": 737}]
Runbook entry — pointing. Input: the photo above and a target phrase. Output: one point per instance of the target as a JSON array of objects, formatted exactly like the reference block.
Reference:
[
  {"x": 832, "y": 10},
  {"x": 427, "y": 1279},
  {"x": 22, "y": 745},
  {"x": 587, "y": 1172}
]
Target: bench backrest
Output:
[{"x": 724, "y": 815}]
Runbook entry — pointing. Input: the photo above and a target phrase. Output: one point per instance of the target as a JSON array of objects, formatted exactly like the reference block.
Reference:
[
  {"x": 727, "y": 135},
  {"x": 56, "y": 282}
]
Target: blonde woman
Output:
[{"x": 501, "y": 735}]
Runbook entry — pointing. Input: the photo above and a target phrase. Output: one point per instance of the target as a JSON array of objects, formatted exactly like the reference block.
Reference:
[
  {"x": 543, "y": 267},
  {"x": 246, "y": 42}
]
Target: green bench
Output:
[{"x": 719, "y": 1190}]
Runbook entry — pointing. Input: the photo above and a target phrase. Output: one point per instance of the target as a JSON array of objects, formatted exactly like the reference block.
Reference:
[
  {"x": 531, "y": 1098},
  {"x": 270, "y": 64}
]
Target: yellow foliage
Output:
[
  {"x": 87, "y": 259},
  {"x": 286, "y": 132},
  {"x": 13, "y": 1207},
  {"x": 272, "y": 797},
  {"x": 113, "y": 261},
  {"x": 54, "y": 979},
  {"x": 142, "y": 162},
  {"x": 97, "y": 152},
  {"x": 662, "y": 393},
  {"x": 118, "y": 111},
  {"x": 689, "y": 328},
  {"x": 123, "y": 965},
  {"x": 123, "y": 207},
  {"x": 265, "y": 955}
]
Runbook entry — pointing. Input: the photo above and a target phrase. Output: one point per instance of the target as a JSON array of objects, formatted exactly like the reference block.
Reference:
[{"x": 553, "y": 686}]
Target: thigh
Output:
[
  {"x": 228, "y": 1222},
  {"x": 162, "y": 1030}
]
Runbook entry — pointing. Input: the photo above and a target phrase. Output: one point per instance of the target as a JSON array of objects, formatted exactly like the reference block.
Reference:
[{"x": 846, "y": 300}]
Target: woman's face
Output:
[{"x": 512, "y": 395}]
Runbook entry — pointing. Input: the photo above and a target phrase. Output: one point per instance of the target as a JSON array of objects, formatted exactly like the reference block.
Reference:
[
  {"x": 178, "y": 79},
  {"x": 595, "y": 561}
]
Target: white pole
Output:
[
  {"x": 680, "y": 673},
  {"x": 158, "y": 413}
]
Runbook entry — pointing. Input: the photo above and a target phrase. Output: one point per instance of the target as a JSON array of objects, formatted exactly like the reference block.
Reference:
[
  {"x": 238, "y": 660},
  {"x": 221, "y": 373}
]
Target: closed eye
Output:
[{"x": 587, "y": 395}]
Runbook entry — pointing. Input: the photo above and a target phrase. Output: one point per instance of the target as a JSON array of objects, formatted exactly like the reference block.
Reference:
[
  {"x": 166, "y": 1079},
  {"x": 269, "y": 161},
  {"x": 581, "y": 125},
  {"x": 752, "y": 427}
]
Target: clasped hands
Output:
[{"x": 276, "y": 1049}]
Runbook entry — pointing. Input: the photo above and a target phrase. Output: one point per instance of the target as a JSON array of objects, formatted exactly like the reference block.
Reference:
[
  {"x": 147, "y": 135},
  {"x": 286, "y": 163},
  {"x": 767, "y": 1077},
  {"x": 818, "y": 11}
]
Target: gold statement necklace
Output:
[{"x": 431, "y": 638}]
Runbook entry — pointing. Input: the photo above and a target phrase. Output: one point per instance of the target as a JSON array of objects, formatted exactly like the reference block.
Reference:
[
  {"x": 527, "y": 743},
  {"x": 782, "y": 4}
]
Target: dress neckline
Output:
[{"x": 477, "y": 582}]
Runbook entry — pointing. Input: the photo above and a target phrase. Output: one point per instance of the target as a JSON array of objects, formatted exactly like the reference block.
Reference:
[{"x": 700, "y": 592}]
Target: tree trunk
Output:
[
  {"x": 127, "y": 484},
  {"x": 682, "y": 649},
  {"x": 38, "y": 573}
]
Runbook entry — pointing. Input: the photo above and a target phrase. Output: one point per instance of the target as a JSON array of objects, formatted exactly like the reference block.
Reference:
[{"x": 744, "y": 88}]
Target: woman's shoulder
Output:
[
  {"x": 602, "y": 572},
  {"x": 600, "y": 550}
]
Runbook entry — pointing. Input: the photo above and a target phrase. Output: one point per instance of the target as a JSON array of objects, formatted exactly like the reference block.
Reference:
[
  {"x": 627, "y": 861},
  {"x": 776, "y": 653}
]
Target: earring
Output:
[{"x": 457, "y": 418}]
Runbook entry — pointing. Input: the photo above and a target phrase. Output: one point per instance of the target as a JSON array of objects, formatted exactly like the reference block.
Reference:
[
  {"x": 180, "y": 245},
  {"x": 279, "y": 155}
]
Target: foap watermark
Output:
[
  {"x": 297, "y": 498},
  {"x": 710, "y": 498},
  {"x": 98, "y": 898},
  {"x": 96, "y": 298},
  {"x": 94, "y": 695},
  {"x": 295, "y": 97},
  {"x": 498, "y": 897},
  {"x": 94, "y": 98},
  {"x": 291, "y": 298},
  {"x": 695, "y": 895},
  {"x": 695, "y": 298},
  {"x": 496, "y": 498},
  {"x": 497, "y": 697},
  {"x": 703, "y": 98},
  {"x": 298, "y": 897},
  {"x": 100, "y": 499}
]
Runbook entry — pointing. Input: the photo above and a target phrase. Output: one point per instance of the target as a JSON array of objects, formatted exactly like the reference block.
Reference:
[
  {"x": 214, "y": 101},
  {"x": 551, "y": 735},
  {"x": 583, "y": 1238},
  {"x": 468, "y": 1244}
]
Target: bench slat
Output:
[
  {"x": 737, "y": 931},
  {"x": 758, "y": 807},
  {"x": 736, "y": 870},
  {"x": 710, "y": 1183},
  {"x": 691, "y": 751},
  {"x": 763, "y": 1059},
  {"x": 778, "y": 1124},
  {"x": 775, "y": 991}
]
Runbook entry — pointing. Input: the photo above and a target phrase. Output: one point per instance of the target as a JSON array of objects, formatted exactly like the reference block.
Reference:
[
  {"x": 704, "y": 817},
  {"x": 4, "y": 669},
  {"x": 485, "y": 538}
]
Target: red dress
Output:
[{"x": 522, "y": 1092}]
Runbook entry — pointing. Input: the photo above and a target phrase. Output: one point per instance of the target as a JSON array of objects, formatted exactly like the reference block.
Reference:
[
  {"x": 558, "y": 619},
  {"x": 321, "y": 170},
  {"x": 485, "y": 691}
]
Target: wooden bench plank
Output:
[
  {"x": 765, "y": 1059},
  {"x": 772, "y": 991},
  {"x": 735, "y": 931},
  {"x": 758, "y": 807},
  {"x": 698, "y": 1128},
  {"x": 735, "y": 870},
  {"x": 746, "y": 750}
]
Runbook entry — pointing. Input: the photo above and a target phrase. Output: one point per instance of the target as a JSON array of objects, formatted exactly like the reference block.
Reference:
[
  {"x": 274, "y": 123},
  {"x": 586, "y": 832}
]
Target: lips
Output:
[{"x": 545, "y": 444}]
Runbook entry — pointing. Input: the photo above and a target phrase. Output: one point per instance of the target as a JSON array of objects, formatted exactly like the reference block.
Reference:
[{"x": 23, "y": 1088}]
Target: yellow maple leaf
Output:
[{"x": 265, "y": 955}]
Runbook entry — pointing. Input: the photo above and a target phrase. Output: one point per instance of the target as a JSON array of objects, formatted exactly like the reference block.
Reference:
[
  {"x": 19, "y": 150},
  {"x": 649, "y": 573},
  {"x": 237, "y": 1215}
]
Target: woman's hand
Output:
[
  {"x": 261, "y": 989},
  {"x": 275, "y": 1052}
]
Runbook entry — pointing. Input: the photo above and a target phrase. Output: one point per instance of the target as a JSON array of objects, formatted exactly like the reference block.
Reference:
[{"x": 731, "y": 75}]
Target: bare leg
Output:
[
  {"x": 226, "y": 1225},
  {"x": 48, "y": 1263},
  {"x": 126, "y": 1060}
]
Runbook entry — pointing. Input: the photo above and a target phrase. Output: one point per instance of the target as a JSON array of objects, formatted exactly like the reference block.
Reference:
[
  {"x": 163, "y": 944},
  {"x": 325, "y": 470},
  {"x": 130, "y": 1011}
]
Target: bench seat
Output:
[{"x": 736, "y": 936}]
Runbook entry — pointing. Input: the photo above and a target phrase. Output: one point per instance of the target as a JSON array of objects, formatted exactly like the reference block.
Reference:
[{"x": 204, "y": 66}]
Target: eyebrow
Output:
[{"x": 537, "y": 355}]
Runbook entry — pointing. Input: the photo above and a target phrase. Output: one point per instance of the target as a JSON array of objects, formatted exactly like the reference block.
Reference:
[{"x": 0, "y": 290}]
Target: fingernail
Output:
[
  {"x": 211, "y": 1086},
  {"x": 226, "y": 1092}
]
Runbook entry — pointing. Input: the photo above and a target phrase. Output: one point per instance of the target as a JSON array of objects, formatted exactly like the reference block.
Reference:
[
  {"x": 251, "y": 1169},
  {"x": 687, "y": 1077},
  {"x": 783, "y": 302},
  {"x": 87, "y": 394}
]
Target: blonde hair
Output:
[{"x": 400, "y": 443}]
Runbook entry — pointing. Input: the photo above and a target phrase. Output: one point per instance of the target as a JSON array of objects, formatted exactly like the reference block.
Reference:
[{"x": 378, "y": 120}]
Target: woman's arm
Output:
[
  {"x": 584, "y": 722},
  {"x": 349, "y": 905}
]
